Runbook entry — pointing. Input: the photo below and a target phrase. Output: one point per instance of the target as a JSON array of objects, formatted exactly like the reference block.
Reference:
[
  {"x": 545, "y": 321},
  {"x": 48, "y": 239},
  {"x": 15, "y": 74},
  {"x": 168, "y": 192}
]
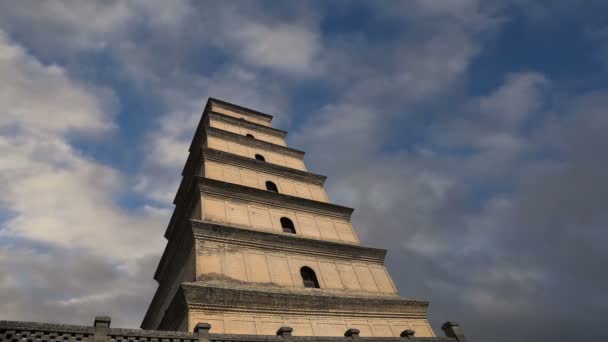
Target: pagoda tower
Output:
[{"x": 254, "y": 244}]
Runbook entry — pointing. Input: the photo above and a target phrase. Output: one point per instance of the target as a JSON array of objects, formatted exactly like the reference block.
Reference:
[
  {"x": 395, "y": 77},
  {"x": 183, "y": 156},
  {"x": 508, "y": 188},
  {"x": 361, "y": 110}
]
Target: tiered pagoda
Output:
[{"x": 255, "y": 245}]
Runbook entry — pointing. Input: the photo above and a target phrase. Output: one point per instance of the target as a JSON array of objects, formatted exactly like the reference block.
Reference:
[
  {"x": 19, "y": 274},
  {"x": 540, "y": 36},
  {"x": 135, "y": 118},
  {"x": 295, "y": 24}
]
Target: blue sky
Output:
[{"x": 469, "y": 136}]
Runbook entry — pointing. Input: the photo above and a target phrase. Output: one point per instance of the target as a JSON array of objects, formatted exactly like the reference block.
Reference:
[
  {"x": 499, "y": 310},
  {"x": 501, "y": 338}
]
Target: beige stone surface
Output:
[
  {"x": 257, "y": 179},
  {"x": 305, "y": 325},
  {"x": 257, "y": 267},
  {"x": 233, "y": 264},
  {"x": 234, "y": 114},
  {"x": 330, "y": 275},
  {"x": 250, "y": 152},
  {"x": 382, "y": 279},
  {"x": 230, "y": 263},
  {"x": 422, "y": 329},
  {"x": 279, "y": 270},
  {"x": 348, "y": 276},
  {"x": 265, "y": 217},
  {"x": 244, "y": 131},
  {"x": 209, "y": 261}
]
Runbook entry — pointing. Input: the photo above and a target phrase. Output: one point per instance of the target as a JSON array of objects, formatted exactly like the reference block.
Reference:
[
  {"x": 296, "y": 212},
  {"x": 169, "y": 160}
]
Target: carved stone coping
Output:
[
  {"x": 241, "y": 139},
  {"x": 244, "y": 123},
  {"x": 229, "y": 190},
  {"x": 50, "y": 327},
  {"x": 239, "y": 109},
  {"x": 287, "y": 172},
  {"x": 19, "y": 329},
  {"x": 270, "y": 338},
  {"x": 285, "y": 242},
  {"x": 226, "y": 298}
]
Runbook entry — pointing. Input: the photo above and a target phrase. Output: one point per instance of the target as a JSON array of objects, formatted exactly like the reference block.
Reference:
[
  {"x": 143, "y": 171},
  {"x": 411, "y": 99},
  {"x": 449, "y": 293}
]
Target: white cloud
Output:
[
  {"x": 284, "y": 47},
  {"x": 64, "y": 287},
  {"x": 63, "y": 26},
  {"x": 62, "y": 199},
  {"x": 56, "y": 195},
  {"x": 436, "y": 211},
  {"x": 518, "y": 97},
  {"x": 65, "y": 203},
  {"x": 38, "y": 97}
]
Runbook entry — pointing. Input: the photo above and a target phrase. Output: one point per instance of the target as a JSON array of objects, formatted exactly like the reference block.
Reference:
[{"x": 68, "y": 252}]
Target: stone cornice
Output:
[
  {"x": 241, "y": 139},
  {"x": 229, "y": 190},
  {"x": 284, "y": 242},
  {"x": 239, "y": 109},
  {"x": 224, "y": 298},
  {"x": 287, "y": 172},
  {"x": 244, "y": 123}
]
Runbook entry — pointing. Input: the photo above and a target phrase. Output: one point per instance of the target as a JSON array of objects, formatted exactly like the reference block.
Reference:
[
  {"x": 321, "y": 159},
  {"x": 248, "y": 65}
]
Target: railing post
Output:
[
  {"x": 352, "y": 333},
  {"x": 101, "y": 326},
  {"x": 407, "y": 334},
  {"x": 452, "y": 329},
  {"x": 285, "y": 333},
  {"x": 202, "y": 331}
]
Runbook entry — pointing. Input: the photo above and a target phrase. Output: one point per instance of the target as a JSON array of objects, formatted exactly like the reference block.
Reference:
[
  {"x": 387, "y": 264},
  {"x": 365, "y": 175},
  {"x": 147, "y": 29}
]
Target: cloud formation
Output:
[
  {"x": 486, "y": 184},
  {"x": 59, "y": 235}
]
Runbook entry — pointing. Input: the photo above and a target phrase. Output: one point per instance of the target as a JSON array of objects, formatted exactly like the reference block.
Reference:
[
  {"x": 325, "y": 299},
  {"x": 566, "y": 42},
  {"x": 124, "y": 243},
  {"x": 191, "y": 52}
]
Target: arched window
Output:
[
  {"x": 250, "y": 136},
  {"x": 287, "y": 225},
  {"x": 260, "y": 157},
  {"x": 309, "y": 277},
  {"x": 270, "y": 186}
]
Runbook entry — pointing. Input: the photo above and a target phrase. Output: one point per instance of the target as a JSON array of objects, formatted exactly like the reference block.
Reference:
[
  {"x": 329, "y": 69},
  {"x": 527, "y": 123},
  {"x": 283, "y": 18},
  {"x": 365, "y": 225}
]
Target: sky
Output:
[{"x": 469, "y": 136}]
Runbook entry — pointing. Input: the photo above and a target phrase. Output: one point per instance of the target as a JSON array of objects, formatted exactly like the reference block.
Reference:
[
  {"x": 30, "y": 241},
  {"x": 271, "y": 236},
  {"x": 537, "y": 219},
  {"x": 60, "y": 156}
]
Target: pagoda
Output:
[{"x": 254, "y": 244}]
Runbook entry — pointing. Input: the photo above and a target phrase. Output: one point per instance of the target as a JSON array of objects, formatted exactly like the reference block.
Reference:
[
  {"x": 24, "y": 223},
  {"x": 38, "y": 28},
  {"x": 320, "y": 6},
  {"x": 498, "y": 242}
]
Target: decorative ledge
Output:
[
  {"x": 230, "y": 158},
  {"x": 230, "y": 190},
  {"x": 233, "y": 298},
  {"x": 241, "y": 139},
  {"x": 285, "y": 242}
]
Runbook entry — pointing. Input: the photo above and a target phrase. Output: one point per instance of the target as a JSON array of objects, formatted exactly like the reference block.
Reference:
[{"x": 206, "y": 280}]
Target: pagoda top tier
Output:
[{"x": 231, "y": 109}]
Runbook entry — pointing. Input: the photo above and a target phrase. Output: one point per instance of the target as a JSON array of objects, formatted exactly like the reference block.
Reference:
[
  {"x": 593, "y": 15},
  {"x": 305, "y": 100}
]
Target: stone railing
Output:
[{"x": 14, "y": 331}]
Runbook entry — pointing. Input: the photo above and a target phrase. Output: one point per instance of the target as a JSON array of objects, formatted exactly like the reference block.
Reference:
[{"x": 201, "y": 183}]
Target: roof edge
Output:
[
  {"x": 254, "y": 112},
  {"x": 227, "y": 118}
]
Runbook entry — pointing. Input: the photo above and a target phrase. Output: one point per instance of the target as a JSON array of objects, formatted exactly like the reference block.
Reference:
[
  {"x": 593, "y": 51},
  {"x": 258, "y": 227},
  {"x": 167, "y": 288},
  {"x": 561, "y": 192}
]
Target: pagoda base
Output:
[{"x": 234, "y": 310}]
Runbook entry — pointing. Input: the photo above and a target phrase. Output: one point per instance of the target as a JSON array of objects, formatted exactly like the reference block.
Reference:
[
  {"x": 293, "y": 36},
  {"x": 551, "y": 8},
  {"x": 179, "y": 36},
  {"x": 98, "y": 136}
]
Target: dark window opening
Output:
[
  {"x": 270, "y": 186},
  {"x": 260, "y": 157},
  {"x": 287, "y": 225},
  {"x": 250, "y": 136},
  {"x": 309, "y": 277}
]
